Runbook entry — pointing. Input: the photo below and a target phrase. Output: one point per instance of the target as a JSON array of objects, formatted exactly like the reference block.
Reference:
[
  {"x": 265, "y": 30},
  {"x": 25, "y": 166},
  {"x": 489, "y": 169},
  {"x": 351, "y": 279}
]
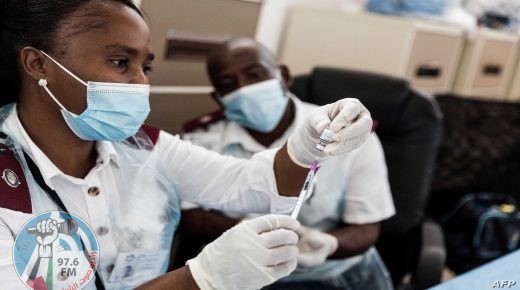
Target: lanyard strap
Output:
[
  {"x": 54, "y": 196},
  {"x": 39, "y": 179}
]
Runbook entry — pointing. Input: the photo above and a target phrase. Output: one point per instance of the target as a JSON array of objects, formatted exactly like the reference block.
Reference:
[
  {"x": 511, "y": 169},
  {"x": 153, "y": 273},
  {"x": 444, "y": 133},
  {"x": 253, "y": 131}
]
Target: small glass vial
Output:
[{"x": 325, "y": 138}]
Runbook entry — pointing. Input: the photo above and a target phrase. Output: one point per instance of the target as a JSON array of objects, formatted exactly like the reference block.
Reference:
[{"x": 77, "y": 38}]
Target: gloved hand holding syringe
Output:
[
  {"x": 329, "y": 130},
  {"x": 325, "y": 138}
]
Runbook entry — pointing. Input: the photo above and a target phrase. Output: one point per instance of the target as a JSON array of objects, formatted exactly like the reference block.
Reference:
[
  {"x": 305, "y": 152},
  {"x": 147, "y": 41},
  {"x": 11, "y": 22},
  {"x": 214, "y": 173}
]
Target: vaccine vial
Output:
[{"x": 325, "y": 138}]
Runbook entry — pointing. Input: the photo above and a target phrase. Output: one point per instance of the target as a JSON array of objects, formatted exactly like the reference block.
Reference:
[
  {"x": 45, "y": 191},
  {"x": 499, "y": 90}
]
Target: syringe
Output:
[
  {"x": 325, "y": 138},
  {"x": 305, "y": 189}
]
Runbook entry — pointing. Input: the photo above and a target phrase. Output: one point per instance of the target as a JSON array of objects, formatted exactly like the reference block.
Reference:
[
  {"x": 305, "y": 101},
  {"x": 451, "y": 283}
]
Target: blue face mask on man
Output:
[
  {"x": 259, "y": 106},
  {"x": 115, "y": 111}
]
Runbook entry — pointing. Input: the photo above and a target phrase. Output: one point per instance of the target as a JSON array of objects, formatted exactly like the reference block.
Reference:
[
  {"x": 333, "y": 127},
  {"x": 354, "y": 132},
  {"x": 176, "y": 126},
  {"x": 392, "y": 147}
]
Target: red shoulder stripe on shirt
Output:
[
  {"x": 203, "y": 121},
  {"x": 14, "y": 192},
  {"x": 152, "y": 132}
]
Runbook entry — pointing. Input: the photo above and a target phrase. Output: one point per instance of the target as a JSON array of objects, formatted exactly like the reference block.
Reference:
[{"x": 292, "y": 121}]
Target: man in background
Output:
[{"x": 351, "y": 195}]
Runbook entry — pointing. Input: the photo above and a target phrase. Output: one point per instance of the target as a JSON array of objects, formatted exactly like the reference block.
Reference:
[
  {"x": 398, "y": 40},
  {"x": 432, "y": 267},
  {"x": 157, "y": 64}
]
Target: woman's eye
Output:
[{"x": 120, "y": 63}]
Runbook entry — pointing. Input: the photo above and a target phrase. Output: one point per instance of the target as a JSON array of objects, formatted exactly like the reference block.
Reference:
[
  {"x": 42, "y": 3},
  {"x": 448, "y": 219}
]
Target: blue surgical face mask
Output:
[
  {"x": 259, "y": 106},
  {"x": 115, "y": 111}
]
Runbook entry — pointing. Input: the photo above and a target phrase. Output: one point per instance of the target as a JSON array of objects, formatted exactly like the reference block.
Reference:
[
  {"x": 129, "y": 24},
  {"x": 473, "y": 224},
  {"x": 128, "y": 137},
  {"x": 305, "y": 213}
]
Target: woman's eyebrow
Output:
[{"x": 129, "y": 50}]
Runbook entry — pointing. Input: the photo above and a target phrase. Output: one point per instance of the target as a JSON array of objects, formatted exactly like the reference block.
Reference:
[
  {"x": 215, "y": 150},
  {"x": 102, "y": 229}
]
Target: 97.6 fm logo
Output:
[{"x": 56, "y": 250}]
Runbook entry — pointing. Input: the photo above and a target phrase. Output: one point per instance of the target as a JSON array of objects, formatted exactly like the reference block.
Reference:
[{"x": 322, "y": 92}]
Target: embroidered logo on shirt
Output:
[{"x": 10, "y": 178}]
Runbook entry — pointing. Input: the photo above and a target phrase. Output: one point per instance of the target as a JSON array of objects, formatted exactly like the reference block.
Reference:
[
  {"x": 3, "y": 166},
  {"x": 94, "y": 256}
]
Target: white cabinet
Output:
[
  {"x": 514, "y": 89},
  {"x": 487, "y": 65},
  {"x": 425, "y": 53}
]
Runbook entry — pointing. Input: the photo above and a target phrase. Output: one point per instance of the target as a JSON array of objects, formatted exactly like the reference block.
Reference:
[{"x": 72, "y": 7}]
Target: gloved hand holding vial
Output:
[{"x": 346, "y": 128}]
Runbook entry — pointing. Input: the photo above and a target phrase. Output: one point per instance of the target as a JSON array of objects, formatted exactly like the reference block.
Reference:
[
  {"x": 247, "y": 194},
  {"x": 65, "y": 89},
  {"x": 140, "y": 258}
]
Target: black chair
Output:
[{"x": 409, "y": 126}]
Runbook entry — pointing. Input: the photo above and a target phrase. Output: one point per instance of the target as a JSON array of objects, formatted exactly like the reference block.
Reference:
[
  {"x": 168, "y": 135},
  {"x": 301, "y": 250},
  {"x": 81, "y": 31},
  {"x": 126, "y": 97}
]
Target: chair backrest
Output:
[{"x": 409, "y": 126}]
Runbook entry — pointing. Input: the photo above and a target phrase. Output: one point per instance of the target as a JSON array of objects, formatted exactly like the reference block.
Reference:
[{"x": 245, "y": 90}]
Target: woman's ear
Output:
[
  {"x": 33, "y": 62},
  {"x": 286, "y": 75}
]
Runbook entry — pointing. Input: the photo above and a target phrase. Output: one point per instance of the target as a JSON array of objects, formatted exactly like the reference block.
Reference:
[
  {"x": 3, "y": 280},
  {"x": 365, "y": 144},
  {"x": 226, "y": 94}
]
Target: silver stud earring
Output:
[{"x": 42, "y": 82}]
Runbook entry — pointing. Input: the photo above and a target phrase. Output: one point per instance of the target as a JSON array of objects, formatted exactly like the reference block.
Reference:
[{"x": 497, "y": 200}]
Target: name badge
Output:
[{"x": 136, "y": 267}]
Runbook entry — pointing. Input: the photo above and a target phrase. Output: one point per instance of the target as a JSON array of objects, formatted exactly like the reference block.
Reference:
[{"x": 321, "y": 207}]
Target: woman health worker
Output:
[{"x": 74, "y": 79}]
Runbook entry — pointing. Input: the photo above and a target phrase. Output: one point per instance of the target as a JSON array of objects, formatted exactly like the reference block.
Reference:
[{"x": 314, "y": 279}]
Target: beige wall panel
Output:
[
  {"x": 236, "y": 18},
  {"x": 170, "y": 111}
]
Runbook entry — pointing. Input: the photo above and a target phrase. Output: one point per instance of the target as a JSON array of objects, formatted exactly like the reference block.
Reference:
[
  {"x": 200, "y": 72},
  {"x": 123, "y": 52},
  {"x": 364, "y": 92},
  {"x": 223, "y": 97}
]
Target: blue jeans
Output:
[{"x": 366, "y": 272}]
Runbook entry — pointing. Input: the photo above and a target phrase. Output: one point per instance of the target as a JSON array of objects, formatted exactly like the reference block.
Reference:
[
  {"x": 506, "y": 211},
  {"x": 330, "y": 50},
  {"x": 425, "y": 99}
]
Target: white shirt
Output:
[
  {"x": 351, "y": 188},
  {"x": 136, "y": 194}
]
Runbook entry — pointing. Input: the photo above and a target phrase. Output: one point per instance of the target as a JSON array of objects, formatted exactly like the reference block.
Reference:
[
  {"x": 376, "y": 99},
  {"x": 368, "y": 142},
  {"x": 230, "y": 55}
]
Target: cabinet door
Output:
[
  {"x": 494, "y": 64},
  {"x": 434, "y": 58}
]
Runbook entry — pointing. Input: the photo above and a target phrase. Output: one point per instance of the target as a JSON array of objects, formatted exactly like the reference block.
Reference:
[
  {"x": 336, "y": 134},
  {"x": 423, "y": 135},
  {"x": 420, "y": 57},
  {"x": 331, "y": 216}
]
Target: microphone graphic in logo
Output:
[
  {"x": 68, "y": 227},
  {"x": 56, "y": 250}
]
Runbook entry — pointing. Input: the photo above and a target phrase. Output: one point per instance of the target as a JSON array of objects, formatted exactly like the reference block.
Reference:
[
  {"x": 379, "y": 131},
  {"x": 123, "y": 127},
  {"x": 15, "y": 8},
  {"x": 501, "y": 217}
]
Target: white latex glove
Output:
[
  {"x": 250, "y": 255},
  {"x": 347, "y": 118},
  {"x": 315, "y": 247}
]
